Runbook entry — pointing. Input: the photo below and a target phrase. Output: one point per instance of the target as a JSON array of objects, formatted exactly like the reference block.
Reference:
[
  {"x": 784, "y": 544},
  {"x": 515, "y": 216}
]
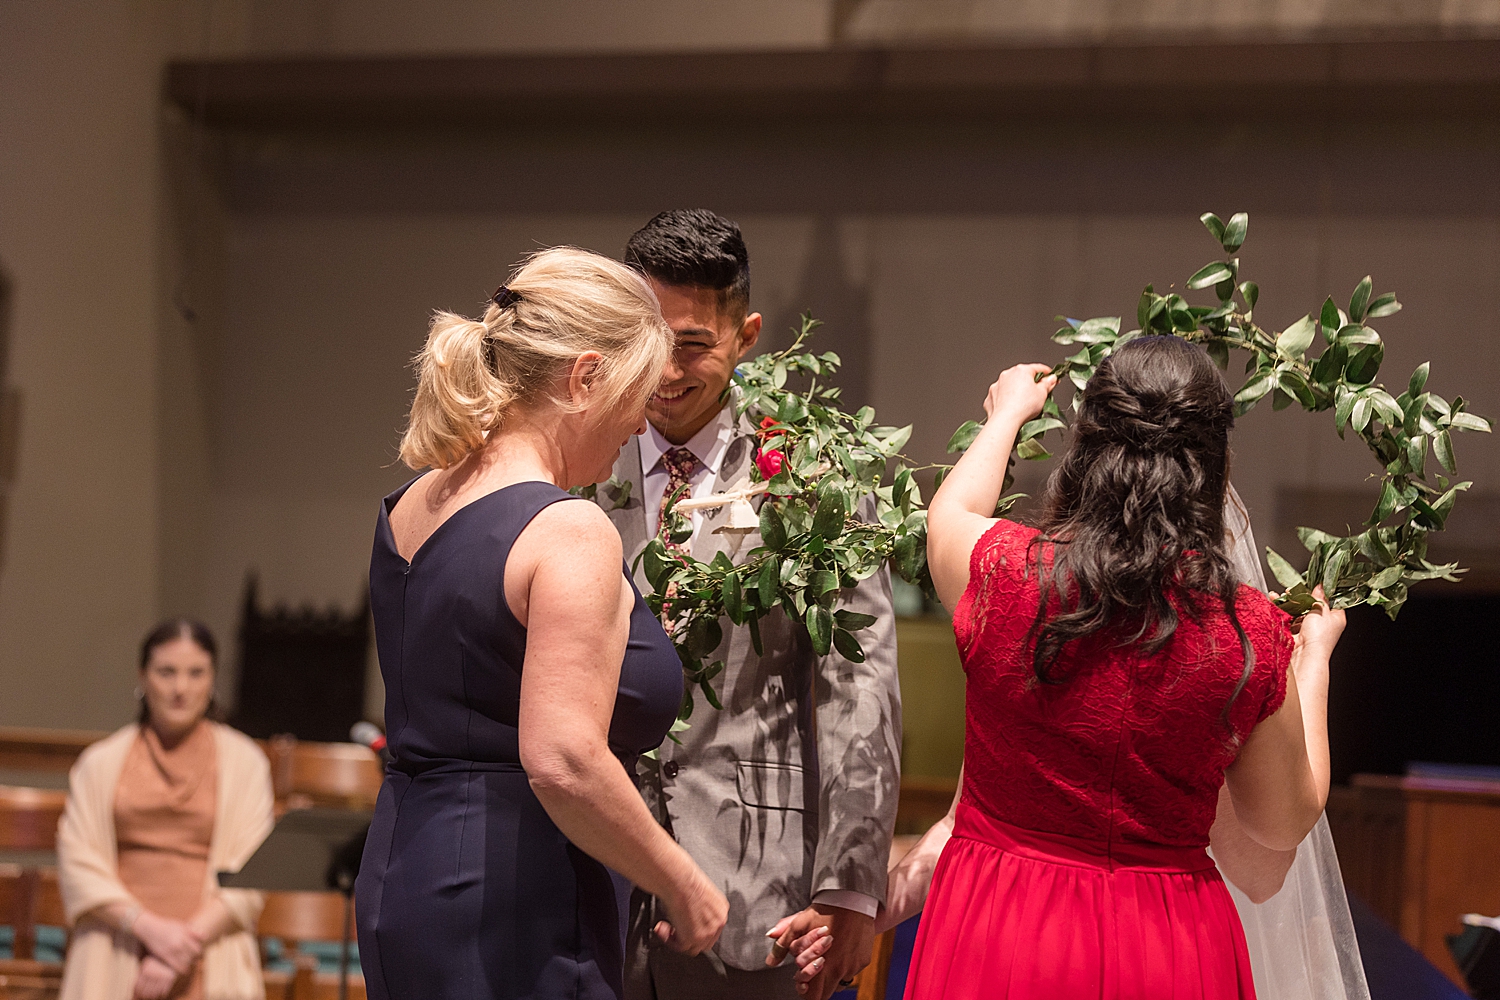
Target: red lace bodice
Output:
[{"x": 1131, "y": 746}]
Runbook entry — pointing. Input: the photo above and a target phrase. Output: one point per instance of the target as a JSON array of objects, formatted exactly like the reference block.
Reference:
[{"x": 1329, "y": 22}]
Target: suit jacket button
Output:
[{"x": 669, "y": 770}]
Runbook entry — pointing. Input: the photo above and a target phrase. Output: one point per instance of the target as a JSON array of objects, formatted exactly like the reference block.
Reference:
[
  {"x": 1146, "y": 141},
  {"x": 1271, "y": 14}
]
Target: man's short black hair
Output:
[{"x": 694, "y": 247}]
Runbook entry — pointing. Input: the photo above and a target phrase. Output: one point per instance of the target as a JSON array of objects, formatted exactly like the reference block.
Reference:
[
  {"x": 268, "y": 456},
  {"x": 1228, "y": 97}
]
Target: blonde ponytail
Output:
[{"x": 564, "y": 301}]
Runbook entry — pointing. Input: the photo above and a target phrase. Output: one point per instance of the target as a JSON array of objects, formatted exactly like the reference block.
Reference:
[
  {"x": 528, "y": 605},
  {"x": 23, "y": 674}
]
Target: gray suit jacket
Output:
[{"x": 791, "y": 788}]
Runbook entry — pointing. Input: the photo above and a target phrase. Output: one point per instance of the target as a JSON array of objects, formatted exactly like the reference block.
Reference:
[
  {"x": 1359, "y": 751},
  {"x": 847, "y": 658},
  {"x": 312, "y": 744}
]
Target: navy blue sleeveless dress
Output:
[{"x": 467, "y": 888}]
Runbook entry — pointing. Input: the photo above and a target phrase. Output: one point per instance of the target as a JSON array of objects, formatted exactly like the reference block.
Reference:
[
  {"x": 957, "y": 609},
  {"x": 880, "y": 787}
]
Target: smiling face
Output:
[
  {"x": 710, "y": 343},
  {"x": 177, "y": 683}
]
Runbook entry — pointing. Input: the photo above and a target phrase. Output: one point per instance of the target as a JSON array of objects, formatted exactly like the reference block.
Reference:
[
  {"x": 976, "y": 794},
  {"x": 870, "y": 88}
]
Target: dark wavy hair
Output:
[
  {"x": 1134, "y": 515},
  {"x": 171, "y": 630}
]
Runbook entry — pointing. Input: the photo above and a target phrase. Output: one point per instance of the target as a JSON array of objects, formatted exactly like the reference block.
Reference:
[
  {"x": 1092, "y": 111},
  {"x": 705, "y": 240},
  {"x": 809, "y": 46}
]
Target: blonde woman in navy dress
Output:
[{"x": 523, "y": 671}]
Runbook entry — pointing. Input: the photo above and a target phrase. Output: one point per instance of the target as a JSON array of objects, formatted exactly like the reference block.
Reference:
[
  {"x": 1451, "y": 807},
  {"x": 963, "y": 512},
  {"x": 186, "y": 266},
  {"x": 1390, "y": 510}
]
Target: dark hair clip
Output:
[{"x": 505, "y": 298}]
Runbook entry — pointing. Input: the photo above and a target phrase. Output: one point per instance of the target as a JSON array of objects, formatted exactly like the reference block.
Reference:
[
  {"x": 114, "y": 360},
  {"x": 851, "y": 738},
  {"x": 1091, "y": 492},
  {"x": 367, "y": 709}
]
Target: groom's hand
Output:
[{"x": 831, "y": 944}]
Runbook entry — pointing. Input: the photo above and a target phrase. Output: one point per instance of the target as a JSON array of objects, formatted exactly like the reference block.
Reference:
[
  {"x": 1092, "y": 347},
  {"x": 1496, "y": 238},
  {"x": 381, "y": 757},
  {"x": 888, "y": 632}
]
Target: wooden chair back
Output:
[
  {"x": 340, "y": 775},
  {"x": 28, "y": 817},
  {"x": 29, "y": 897},
  {"x": 303, "y": 916}
]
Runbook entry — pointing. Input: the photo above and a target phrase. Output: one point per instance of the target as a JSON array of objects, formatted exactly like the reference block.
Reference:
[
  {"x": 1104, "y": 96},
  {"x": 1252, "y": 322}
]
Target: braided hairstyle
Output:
[{"x": 1134, "y": 515}]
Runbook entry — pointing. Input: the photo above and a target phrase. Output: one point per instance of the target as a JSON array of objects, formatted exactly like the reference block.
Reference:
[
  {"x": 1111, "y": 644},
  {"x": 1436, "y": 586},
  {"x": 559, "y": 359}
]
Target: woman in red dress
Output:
[{"x": 1117, "y": 677}]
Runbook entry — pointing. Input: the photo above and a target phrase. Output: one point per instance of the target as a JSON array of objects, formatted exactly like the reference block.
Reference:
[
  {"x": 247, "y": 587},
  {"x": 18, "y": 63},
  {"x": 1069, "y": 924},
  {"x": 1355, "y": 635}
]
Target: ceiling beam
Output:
[{"x": 1442, "y": 77}]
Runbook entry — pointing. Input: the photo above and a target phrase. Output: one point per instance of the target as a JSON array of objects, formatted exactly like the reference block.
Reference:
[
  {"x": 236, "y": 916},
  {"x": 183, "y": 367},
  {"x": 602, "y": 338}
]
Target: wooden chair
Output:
[
  {"x": 28, "y": 817},
  {"x": 304, "y": 916},
  {"x": 21, "y": 908},
  {"x": 17, "y": 983},
  {"x": 338, "y": 775}
]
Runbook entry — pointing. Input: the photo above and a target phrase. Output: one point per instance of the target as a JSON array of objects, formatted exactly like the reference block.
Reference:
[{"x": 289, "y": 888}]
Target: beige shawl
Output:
[{"x": 102, "y": 962}]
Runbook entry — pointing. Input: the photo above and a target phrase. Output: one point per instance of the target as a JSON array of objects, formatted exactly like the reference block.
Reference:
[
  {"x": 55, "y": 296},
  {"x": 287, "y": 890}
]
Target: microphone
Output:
[{"x": 367, "y": 734}]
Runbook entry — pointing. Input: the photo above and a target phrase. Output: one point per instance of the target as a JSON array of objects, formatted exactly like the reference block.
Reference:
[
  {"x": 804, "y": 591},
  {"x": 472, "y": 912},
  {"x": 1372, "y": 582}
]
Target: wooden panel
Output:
[
  {"x": 1369, "y": 831},
  {"x": 24, "y": 749},
  {"x": 1459, "y": 873}
]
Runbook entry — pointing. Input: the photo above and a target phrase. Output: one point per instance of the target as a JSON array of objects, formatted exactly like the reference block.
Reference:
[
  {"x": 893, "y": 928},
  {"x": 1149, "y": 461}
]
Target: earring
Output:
[{"x": 139, "y": 694}]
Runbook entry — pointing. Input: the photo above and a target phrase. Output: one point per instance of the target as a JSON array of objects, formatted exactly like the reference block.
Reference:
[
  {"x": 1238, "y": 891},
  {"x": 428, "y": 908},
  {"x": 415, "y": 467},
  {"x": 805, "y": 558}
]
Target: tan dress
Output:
[{"x": 164, "y": 823}]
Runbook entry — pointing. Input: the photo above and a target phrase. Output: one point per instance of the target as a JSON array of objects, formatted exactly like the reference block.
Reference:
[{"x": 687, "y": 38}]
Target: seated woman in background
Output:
[{"x": 153, "y": 812}]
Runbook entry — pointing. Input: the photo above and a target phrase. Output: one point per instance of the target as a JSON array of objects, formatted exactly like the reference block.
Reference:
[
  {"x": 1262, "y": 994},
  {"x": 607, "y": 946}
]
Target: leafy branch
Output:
[
  {"x": 814, "y": 466},
  {"x": 1377, "y": 565}
]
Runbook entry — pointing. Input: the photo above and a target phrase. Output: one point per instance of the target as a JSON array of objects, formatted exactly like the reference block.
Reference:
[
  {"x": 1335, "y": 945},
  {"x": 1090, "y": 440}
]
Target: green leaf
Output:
[
  {"x": 1234, "y": 232},
  {"x": 1385, "y": 578},
  {"x": 832, "y": 509},
  {"x": 1363, "y": 410},
  {"x": 755, "y": 637},
  {"x": 1419, "y": 379},
  {"x": 704, "y": 636},
  {"x": 1211, "y": 274},
  {"x": 1470, "y": 422},
  {"x": 1214, "y": 225},
  {"x": 819, "y": 622},
  {"x": 770, "y": 580},
  {"x": 1039, "y": 426},
  {"x": 1360, "y": 300},
  {"x": 1416, "y": 453},
  {"x": 1343, "y": 407},
  {"x": 1311, "y": 538},
  {"x": 1032, "y": 450},
  {"x": 657, "y": 566},
  {"x": 710, "y": 694},
  {"x": 1254, "y": 389},
  {"x": 1285, "y": 573},
  {"x": 1330, "y": 364},
  {"x": 1329, "y": 319},
  {"x": 1365, "y": 364},
  {"x": 1219, "y": 351},
  {"x": 1442, "y": 447},
  {"x": 733, "y": 596},
  {"x": 896, "y": 439},
  {"x": 1383, "y": 305},
  {"x": 1250, "y": 292},
  {"x": 778, "y": 374},
  {"x": 1386, "y": 505},
  {"x": 1334, "y": 569},
  {"x": 823, "y": 581},
  {"x": 853, "y": 621},
  {"x": 848, "y": 646},
  {"x": 964, "y": 436},
  {"x": 772, "y": 527}
]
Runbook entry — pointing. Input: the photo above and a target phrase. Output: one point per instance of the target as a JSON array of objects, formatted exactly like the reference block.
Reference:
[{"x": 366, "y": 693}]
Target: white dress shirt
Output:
[{"x": 708, "y": 447}]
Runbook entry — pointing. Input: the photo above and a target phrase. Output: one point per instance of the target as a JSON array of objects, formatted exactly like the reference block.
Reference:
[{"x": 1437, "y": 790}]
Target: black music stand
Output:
[{"x": 310, "y": 850}]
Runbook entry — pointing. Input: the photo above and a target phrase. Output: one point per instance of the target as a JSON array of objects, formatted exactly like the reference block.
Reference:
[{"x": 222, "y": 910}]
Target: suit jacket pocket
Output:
[{"x": 769, "y": 786}]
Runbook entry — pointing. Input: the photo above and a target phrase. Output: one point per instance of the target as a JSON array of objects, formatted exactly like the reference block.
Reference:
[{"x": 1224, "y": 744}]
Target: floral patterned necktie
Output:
[{"x": 680, "y": 464}]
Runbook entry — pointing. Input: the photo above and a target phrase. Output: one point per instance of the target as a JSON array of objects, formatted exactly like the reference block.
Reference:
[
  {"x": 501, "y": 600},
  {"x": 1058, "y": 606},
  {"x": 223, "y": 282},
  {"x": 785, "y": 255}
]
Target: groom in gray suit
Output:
[{"x": 786, "y": 797}]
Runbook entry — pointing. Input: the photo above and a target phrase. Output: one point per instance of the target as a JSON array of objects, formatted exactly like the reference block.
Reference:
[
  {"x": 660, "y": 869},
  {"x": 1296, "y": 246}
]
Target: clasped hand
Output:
[
  {"x": 171, "y": 949},
  {"x": 829, "y": 944}
]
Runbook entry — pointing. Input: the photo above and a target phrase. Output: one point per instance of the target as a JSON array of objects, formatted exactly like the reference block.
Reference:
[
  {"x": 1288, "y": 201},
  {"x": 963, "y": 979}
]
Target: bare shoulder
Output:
[{"x": 580, "y": 528}]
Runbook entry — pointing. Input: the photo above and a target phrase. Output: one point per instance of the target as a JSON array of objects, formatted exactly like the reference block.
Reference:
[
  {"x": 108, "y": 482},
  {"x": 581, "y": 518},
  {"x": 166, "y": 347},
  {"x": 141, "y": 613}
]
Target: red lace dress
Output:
[{"x": 1077, "y": 866}]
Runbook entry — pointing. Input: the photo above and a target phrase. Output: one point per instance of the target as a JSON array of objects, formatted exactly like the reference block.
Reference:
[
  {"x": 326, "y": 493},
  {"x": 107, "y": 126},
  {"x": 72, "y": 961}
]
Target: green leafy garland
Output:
[
  {"x": 816, "y": 464},
  {"x": 1377, "y": 565}
]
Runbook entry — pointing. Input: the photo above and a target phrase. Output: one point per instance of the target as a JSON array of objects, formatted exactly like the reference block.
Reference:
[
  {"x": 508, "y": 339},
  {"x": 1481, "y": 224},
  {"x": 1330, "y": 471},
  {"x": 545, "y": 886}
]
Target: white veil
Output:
[{"x": 1302, "y": 944}]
